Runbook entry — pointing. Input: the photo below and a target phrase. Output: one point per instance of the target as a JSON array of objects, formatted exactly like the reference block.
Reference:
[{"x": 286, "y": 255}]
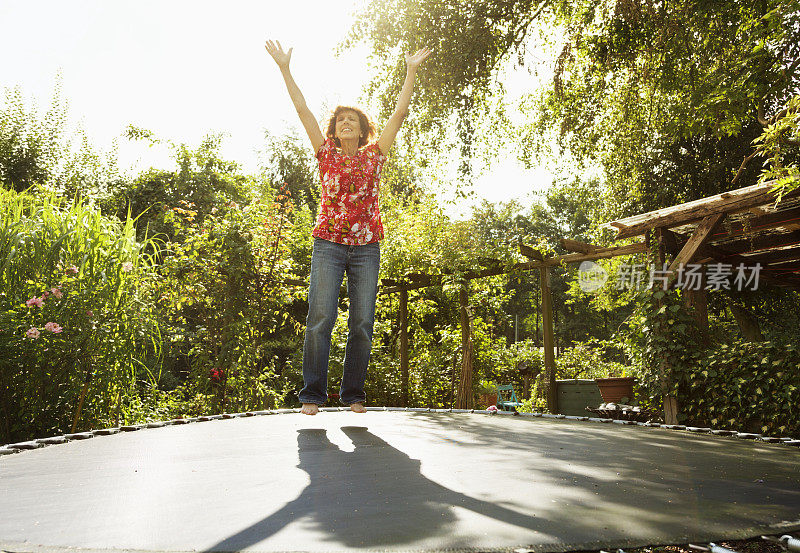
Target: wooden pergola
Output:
[{"x": 747, "y": 227}]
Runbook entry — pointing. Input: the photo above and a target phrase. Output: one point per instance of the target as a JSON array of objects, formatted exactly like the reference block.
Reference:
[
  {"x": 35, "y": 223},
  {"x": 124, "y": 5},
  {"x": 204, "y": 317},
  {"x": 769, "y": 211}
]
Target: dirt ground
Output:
[{"x": 754, "y": 545}]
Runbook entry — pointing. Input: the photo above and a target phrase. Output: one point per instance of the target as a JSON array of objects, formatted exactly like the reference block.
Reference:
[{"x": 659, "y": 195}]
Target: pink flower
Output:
[
  {"x": 89, "y": 314},
  {"x": 55, "y": 328},
  {"x": 127, "y": 267},
  {"x": 38, "y": 302},
  {"x": 57, "y": 293},
  {"x": 71, "y": 270},
  {"x": 32, "y": 333}
]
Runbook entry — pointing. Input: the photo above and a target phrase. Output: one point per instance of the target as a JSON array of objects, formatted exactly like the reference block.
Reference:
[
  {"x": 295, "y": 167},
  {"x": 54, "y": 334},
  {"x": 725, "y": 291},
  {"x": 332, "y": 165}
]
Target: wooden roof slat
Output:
[
  {"x": 771, "y": 256},
  {"x": 767, "y": 275},
  {"x": 763, "y": 242},
  {"x": 721, "y": 254},
  {"x": 793, "y": 266},
  {"x": 786, "y": 218},
  {"x": 743, "y": 198}
]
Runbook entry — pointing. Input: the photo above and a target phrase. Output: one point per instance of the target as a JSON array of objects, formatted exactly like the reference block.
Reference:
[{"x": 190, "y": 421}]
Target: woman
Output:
[{"x": 347, "y": 234}]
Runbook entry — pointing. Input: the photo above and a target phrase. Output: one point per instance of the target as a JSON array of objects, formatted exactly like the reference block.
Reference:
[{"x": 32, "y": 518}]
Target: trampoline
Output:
[{"x": 393, "y": 480}]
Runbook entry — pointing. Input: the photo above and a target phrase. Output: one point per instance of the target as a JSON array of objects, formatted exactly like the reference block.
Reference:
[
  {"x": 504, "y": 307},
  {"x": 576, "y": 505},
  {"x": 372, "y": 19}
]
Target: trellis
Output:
[{"x": 537, "y": 261}]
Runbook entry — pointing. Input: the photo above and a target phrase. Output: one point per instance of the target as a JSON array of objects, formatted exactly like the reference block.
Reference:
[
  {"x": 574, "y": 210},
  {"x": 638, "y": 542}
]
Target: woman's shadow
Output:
[{"x": 370, "y": 497}]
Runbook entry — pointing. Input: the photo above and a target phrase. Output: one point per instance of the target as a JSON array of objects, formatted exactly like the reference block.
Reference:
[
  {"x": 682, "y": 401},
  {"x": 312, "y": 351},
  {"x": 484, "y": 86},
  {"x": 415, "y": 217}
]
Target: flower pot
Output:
[
  {"x": 614, "y": 389},
  {"x": 487, "y": 399}
]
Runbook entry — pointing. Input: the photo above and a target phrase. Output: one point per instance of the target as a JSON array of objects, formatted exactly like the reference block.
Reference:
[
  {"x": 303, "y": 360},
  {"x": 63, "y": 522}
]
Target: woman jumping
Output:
[{"x": 347, "y": 234}]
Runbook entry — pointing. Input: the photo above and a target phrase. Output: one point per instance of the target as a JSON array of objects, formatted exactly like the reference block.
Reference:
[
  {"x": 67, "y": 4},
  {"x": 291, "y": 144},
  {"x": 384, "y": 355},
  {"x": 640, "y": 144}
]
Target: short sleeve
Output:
[{"x": 326, "y": 149}]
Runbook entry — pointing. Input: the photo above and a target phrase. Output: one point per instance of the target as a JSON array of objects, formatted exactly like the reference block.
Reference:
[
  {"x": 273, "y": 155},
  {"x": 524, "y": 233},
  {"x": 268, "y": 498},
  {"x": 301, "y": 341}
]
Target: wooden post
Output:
[
  {"x": 698, "y": 300},
  {"x": 465, "y": 399},
  {"x": 404, "y": 346},
  {"x": 665, "y": 370},
  {"x": 547, "y": 330}
]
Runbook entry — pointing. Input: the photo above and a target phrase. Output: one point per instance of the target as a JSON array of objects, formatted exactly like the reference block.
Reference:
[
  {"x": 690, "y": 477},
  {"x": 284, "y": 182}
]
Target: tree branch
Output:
[{"x": 744, "y": 164}]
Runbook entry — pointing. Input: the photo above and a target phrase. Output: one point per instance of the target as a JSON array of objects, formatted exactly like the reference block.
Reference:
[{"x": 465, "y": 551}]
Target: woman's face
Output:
[{"x": 348, "y": 125}]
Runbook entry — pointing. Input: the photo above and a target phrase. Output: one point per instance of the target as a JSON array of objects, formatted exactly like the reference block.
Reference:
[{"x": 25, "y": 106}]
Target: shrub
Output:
[
  {"x": 75, "y": 324},
  {"x": 744, "y": 386}
]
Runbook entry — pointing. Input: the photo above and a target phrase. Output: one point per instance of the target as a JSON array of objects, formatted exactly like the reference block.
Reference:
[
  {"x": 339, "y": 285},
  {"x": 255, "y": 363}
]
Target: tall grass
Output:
[{"x": 76, "y": 324}]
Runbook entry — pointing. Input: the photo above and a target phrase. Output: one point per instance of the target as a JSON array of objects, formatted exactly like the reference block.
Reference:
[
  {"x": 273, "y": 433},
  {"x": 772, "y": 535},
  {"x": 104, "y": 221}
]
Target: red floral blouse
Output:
[{"x": 349, "y": 212}]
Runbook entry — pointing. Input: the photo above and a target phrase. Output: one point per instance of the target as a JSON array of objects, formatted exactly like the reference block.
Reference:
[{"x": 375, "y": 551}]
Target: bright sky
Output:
[{"x": 185, "y": 68}]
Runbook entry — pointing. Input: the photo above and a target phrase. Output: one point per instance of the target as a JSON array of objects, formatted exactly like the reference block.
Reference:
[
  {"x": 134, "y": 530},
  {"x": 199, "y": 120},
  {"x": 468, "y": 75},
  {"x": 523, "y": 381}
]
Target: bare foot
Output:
[
  {"x": 310, "y": 409},
  {"x": 357, "y": 408}
]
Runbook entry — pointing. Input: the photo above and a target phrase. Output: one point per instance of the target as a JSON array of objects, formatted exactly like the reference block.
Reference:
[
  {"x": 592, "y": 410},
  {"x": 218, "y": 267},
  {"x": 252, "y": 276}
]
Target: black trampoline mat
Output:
[{"x": 395, "y": 481}]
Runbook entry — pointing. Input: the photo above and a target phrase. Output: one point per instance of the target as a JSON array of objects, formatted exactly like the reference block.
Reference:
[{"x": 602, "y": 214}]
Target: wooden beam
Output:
[
  {"x": 404, "y": 347},
  {"x": 604, "y": 253},
  {"x": 689, "y": 212},
  {"x": 547, "y": 329},
  {"x": 576, "y": 246},
  {"x": 783, "y": 266},
  {"x": 530, "y": 253},
  {"x": 698, "y": 238}
]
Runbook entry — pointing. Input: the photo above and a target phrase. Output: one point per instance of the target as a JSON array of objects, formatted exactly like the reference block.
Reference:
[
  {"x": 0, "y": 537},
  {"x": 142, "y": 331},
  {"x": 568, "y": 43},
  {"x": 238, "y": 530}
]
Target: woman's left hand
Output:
[{"x": 415, "y": 60}]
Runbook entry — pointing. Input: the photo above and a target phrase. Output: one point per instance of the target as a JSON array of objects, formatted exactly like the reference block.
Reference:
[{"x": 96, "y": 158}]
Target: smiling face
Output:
[{"x": 348, "y": 125}]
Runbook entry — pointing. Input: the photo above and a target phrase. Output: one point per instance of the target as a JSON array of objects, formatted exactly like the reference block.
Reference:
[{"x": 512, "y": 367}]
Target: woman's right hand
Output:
[{"x": 275, "y": 50}]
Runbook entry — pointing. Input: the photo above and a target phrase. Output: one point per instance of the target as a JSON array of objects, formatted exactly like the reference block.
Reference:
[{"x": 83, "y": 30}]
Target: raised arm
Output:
[
  {"x": 401, "y": 109},
  {"x": 306, "y": 117}
]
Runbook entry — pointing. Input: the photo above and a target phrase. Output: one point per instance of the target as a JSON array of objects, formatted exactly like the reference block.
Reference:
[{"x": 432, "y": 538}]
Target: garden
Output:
[{"x": 173, "y": 293}]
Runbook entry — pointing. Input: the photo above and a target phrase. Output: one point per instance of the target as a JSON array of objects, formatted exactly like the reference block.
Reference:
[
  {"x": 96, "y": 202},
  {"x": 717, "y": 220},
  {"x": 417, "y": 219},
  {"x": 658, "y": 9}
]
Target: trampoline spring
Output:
[{"x": 789, "y": 543}]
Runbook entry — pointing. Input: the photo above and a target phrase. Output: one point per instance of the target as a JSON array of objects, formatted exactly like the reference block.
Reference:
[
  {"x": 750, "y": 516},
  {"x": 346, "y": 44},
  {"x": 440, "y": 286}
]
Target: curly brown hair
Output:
[{"x": 367, "y": 128}]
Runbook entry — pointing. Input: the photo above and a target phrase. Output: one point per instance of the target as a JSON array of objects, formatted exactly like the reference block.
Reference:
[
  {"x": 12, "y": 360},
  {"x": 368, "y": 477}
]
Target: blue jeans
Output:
[{"x": 329, "y": 263}]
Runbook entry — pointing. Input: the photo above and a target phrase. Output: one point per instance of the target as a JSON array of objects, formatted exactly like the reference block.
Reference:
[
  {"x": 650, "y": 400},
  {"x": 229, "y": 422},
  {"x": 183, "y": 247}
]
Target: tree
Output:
[
  {"x": 629, "y": 74},
  {"x": 290, "y": 162},
  {"x": 38, "y": 150}
]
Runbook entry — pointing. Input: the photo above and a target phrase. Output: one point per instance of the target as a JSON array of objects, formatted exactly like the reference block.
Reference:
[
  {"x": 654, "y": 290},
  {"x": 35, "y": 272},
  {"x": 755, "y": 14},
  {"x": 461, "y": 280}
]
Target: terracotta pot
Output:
[
  {"x": 487, "y": 399},
  {"x": 614, "y": 389}
]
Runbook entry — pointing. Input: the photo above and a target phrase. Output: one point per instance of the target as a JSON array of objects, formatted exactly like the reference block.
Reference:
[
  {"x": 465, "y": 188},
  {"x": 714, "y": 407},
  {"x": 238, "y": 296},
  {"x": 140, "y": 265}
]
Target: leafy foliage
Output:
[
  {"x": 227, "y": 308},
  {"x": 745, "y": 386},
  {"x": 40, "y": 151},
  {"x": 73, "y": 312}
]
